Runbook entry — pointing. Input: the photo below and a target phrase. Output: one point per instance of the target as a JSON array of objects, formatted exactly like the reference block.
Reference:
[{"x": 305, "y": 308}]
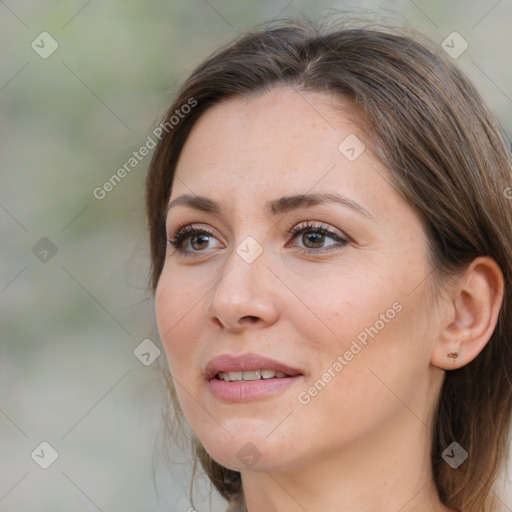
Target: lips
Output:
[
  {"x": 246, "y": 363},
  {"x": 249, "y": 377}
]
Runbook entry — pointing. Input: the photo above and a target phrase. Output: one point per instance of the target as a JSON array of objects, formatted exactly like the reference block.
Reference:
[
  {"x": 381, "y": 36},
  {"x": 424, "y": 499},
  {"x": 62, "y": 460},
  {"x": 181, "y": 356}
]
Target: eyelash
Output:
[
  {"x": 184, "y": 232},
  {"x": 321, "y": 229}
]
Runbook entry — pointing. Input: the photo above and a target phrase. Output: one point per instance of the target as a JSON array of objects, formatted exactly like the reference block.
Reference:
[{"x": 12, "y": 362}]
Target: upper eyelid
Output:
[
  {"x": 294, "y": 230},
  {"x": 192, "y": 226},
  {"x": 317, "y": 224},
  {"x": 313, "y": 224}
]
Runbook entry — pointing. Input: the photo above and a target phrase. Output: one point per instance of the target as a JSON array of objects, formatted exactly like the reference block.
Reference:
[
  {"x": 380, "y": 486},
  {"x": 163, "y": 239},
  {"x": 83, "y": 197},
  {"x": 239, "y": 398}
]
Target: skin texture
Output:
[{"x": 363, "y": 440}]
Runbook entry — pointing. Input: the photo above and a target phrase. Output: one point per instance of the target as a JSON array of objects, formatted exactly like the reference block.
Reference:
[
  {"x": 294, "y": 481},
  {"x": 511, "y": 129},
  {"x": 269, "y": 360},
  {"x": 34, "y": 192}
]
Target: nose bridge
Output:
[{"x": 245, "y": 288}]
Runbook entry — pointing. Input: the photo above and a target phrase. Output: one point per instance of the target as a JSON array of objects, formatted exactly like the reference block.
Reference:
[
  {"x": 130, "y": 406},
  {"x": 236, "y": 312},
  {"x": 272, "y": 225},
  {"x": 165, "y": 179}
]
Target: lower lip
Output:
[{"x": 248, "y": 390}]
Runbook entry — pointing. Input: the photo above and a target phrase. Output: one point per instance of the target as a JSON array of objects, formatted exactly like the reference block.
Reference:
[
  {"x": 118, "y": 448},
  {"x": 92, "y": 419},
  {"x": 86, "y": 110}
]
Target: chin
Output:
[
  {"x": 248, "y": 458},
  {"x": 249, "y": 453}
]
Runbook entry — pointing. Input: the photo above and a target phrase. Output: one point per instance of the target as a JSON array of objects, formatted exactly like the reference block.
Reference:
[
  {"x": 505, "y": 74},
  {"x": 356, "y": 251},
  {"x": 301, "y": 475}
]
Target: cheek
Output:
[
  {"x": 341, "y": 301},
  {"x": 360, "y": 385},
  {"x": 371, "y": 319},
  {"x": 177, "y": 310}
]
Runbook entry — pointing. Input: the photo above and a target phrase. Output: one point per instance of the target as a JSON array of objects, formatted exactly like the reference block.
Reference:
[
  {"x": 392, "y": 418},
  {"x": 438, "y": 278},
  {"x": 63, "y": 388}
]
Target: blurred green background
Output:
[{"x": 74, "y": 303}]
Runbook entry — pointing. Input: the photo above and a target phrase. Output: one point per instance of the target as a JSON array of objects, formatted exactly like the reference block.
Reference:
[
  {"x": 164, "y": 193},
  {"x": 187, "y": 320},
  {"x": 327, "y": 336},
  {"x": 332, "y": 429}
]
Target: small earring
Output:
[{"x": 453, "y": 355}]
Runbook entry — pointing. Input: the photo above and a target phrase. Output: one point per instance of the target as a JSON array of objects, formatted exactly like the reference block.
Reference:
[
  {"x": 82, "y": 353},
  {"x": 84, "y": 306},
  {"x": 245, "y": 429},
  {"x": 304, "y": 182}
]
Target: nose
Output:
[{"x": 244, "y": 295}]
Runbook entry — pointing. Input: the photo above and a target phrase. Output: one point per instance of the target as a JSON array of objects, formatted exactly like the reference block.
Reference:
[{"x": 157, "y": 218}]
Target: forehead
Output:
[
  {"x": 281, "y": 114},
  {"x": 245, "y": 151}
]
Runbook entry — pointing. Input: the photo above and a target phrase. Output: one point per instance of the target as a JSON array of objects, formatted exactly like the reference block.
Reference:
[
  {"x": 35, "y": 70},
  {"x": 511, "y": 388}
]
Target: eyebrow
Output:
[{"x": 278, "y": 206}]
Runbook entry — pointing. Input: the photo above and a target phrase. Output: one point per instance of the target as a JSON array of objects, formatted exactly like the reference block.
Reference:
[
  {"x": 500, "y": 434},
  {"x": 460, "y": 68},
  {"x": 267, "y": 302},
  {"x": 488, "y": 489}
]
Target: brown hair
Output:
[{"x": 449, "y": 159}]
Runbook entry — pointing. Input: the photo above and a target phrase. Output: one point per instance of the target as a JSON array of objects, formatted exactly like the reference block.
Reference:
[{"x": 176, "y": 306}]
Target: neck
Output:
[{"x": 387, "y": 470}]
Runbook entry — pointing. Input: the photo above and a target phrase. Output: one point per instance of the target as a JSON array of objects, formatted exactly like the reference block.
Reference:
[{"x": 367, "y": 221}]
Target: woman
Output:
[{"x": 332, "y": 258}]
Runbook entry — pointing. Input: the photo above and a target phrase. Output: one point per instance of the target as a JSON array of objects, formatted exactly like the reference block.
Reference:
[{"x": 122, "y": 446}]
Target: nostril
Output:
[{"x": 250, "y": 318}]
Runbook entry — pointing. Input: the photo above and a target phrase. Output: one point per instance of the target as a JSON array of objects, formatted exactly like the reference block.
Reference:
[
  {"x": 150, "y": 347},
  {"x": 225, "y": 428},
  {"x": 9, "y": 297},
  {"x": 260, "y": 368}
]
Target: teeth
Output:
[
  {"x": 252, "y": 375},
  {"x": 256, "y": 375}
]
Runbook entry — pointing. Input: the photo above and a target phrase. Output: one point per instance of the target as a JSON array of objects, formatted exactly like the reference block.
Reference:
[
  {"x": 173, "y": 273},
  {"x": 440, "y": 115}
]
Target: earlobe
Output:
[{"x": 475, "y": 304}]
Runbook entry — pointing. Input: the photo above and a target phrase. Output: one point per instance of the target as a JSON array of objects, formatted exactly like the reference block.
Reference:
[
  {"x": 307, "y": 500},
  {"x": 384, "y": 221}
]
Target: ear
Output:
[{"x": 472, "y": 314}]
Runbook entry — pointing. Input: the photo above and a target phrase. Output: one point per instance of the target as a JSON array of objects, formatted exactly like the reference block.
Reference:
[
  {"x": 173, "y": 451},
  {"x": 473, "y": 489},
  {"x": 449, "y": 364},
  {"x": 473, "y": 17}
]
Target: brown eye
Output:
[
  {"x": 314, "y": 237},
  {"x": 201, "y": 240},
  {"x": 190, "y": 240},
  {"x": 313, "y": 240}
]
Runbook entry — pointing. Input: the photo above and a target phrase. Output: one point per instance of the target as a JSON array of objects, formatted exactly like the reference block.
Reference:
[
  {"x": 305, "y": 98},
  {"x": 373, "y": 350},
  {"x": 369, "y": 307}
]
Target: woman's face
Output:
[{"x": 332, "y": 290}]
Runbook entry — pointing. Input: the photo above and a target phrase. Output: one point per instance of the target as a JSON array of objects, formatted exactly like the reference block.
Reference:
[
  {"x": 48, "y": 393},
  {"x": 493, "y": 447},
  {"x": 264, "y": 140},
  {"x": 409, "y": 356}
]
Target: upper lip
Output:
[{"x": 246, "y": 363}]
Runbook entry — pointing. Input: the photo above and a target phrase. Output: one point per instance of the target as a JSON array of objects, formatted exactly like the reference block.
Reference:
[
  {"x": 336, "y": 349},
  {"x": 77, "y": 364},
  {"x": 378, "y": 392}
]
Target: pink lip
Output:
[{"x": 244, "y": 391}]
